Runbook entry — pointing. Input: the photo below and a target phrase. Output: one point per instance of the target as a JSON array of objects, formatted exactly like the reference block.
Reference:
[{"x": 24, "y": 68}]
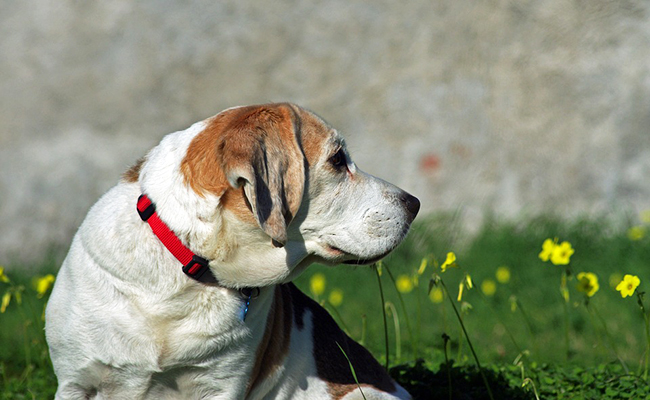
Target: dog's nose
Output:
[{"x": 412, "y": 204}]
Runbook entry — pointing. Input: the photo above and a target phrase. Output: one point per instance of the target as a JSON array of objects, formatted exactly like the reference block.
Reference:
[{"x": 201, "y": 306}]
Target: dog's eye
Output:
[{"x": 338, "y": 160}]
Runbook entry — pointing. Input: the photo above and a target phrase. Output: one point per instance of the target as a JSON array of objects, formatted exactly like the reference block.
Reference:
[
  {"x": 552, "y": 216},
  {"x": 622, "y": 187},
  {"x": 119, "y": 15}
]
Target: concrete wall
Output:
[{"x": 504, "y": 106}]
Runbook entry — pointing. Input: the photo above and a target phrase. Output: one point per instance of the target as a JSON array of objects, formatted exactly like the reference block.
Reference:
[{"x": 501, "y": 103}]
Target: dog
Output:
[{"x": 177, "y": 284}]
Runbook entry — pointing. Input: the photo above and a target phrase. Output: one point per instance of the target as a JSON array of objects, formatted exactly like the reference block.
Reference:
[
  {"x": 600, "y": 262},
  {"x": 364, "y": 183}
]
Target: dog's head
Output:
[{"x": 264, "y": 191}]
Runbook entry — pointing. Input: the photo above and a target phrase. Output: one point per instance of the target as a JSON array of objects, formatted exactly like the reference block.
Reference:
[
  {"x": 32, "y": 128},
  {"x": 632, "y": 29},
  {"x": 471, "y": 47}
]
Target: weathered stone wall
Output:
[{"x": 504, "y": 106}]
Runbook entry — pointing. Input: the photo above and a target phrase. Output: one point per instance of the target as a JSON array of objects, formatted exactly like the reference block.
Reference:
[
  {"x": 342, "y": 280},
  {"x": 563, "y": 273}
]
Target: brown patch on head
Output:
[
  {"x": 331, "y": 364},
  {"x": 132, "y": 175},
  {"x": 315, "y": 134},
  {"x": 201, "y": 166},
  {"x": 257, "y": 148},
  {"x": 274, "y": 346}
]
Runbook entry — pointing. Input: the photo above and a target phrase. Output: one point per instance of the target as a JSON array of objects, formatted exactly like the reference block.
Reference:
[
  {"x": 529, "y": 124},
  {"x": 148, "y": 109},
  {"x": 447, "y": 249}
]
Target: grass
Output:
[
  {"x": 518, "y": 329},
  {"x": 533, "y": 287},
  {"x": 25, "y": 368}
]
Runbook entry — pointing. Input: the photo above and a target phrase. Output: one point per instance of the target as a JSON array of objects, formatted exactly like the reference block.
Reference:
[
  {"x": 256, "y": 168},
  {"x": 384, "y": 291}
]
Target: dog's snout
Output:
[{"x": 411, "y": 203}]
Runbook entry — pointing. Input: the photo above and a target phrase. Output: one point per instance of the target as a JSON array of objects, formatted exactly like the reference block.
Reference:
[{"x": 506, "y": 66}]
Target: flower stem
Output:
[
  {"x": 406, "y": 315},
  {"x": 418, "y": 329},
  {"x": 564, "y": 291},
  {"x": 647, "y": 353},
  {"x": 566, "y": 329},
  {"x": 647, "y": 335},
  {"x": 469, "y": 342},
  {"x": 398, "y": 338},
  {"x": 383, "y": 310}
]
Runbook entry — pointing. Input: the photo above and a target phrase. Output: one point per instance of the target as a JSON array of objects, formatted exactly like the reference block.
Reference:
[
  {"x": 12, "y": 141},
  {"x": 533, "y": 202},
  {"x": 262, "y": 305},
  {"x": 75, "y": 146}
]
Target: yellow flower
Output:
[
  {"x": 449, "y": 262},
  {"x": 336, "y": 297},
  {"x": 562, "y": 253},
  {"x": 588, "y": 283},
  {"x": 503, "y": 274},
  {"x": 436, "y": 295},
  {"x": 6, "y": 298},
  {"x": 628, "y": 285},
  {"x": 404, "y": 284},
  {"x": 317, "y": 284},
  {"x": 423, "y": 266},
  {"x": 488, "y": 287},
  {"x": 559, "y": 254},
  {"x": 547, "y": 249},
  {"x": 3, "y": 278},
  {"x": 465, "y": 283},
  {"x": 43, "y": 284},
  {"x": 468, "y": 281},
  {"x": 636, "y": 233}
]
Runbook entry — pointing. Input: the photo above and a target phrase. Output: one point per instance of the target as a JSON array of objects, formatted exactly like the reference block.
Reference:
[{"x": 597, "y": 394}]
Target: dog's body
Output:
[{"x": 261, "y": 192}]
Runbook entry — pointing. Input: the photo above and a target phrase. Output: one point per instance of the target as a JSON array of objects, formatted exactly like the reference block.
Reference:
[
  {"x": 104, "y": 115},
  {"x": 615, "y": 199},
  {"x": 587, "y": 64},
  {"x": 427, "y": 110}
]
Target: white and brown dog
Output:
[{"x": 196, "y": 302}]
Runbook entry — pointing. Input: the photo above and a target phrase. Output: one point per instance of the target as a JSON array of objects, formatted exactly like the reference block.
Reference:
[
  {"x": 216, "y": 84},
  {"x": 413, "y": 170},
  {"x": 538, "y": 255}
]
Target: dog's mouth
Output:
[
  {"x": 365, "y": 261},
  {"x": 355, "y": 260}
]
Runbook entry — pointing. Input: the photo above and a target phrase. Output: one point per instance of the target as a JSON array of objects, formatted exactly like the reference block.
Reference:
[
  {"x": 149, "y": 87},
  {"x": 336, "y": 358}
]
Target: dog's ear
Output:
[{"x": 259, "y": 150}]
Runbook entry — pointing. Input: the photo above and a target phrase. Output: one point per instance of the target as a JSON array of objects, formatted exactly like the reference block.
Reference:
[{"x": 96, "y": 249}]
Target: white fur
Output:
[{"x": 124, "y": 322}]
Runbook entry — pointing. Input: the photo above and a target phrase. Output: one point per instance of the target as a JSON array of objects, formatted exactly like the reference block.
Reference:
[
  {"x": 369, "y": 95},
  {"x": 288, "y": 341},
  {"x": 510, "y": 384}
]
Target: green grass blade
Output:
[{"x": 354, "y": 374}]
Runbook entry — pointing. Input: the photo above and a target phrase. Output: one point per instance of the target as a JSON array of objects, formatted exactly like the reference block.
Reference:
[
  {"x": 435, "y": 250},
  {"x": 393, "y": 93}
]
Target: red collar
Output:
[{"x": 194, "y": 266}]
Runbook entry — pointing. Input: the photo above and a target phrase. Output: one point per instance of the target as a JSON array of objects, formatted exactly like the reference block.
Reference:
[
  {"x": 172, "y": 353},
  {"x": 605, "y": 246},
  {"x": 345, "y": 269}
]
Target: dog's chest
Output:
[{"x": 192, "y": 328}]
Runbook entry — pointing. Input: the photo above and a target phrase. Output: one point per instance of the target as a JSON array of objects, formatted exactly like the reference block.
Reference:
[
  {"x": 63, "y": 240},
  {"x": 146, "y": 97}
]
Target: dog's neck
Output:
[{"x": 193, "y": 265}]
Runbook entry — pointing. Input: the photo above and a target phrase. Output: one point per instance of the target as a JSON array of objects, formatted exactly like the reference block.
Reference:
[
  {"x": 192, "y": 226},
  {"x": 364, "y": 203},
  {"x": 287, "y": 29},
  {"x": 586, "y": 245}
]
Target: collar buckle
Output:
[
  {"x": 197, "y": 268},
  {"x": 146, "y": 208}
]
